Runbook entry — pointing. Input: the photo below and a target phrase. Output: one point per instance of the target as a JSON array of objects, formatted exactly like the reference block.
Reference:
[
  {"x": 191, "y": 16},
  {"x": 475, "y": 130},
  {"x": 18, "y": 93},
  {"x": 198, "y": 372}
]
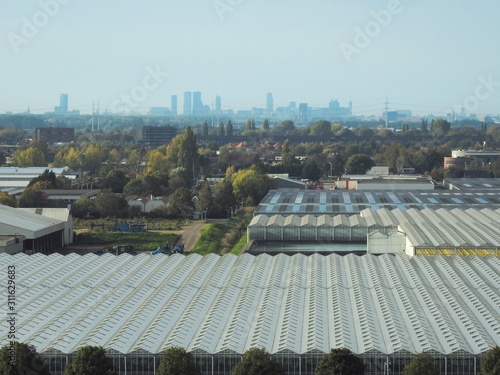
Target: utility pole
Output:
[{"x": 92, "y": 115}]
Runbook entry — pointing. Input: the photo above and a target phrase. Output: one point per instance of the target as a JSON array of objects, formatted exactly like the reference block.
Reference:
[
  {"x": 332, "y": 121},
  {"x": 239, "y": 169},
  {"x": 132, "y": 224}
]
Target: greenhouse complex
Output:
[
  {"x": 385, "y": 274},
  {"x": 385, "y": 308}
]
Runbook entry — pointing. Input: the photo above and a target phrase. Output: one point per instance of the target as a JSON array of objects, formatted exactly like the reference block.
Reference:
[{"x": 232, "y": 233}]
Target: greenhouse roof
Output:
[
  {"x": 232, "y": 303},
  {"x": 452, "y": 228},
  {"x": 320, "y": 202}
]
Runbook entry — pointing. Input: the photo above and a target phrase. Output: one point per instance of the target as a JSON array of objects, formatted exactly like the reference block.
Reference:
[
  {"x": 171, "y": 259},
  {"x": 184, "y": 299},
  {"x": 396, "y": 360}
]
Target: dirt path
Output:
[{"x": 192, "y": 233}]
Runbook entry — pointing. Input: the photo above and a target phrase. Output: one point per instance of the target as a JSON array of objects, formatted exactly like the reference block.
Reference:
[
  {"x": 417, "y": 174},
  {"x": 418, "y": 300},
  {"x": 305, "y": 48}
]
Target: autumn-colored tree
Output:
[
  {"x": 7, "y": 200},
  {"x": 29, "y": 157}
]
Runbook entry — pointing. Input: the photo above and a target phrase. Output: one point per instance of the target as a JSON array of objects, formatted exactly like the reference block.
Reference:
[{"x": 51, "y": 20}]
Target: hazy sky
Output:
[{"x": 424, "y": 55}]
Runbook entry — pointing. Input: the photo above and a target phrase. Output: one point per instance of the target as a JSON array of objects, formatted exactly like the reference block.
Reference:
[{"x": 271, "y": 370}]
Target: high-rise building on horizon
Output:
[
  {"x": 218, "y": 103},
  {"x": 63, "y": 104},
  {"x": 269, "y": 102},
  {"x": 197, "y": 103},
  {"x": 173, "y": 105},
  {"x": 187, "y": 103}
]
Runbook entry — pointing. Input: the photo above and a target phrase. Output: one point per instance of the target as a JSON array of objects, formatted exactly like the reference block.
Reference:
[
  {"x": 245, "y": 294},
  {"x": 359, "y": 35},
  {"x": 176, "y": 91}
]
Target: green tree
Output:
[
  {"x": 358, "y": 164},
  {"x": 204, "y": 128},
  {"x": 405, "y": 128},
  {"x": 7, "y": 199},
  {"x": 284, "y": 127},
  {"x": 440, "y": 127},
  {"x": 47, "y": 175},
  {"x": 188, "y": 152},
  {"x": 223, "y": 198},
  {"x": 26, "y": 360},
  {"x": 490, "y": 364},
  {"x": 424, "y": 126},
  {"x": 93, "y": 158},
  {"x": 257, "y": 362},
  {"x": 249, "y": 185},
  {"x": 110, "y": 204},
  {"x": 340, "y": 362},
  {"x": 220, "y": 131},
  {"x": 265, "y": 125},
  {"x": 90, "y": 360},
  {"x": 181, "y": 203},
  {"x": 133, "y": 187},
  {"x": 114, "y": 180},
  {"x": 73, "y": 159},
  {"x": 176, "y": 361},
  {"x": 32, "y": 198},
  {"x": 421, "y": 364},
  {"x": 229, "y": 128},
  {"x": 322, "y": 128},
  {"x": 205, "y": 199},
  {"x": 84, "y": 207},
  {"x": 311, "y": 171},
  {"x": 29, "y": 157}
]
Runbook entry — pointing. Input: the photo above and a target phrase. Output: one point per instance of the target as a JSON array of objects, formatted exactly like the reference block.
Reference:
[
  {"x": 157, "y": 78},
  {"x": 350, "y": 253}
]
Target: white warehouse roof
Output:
[{"x": 232, "y": 303}]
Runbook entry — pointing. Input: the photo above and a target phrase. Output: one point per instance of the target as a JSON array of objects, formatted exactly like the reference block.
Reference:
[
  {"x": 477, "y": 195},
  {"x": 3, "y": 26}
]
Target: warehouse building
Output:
[
  {"x": 35, "y": 230},
  {"x": 384, "y": 308}
]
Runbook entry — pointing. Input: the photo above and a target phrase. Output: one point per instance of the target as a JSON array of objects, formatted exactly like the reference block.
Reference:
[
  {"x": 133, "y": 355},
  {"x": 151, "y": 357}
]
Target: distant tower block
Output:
[{"x": 187, "y": 103}]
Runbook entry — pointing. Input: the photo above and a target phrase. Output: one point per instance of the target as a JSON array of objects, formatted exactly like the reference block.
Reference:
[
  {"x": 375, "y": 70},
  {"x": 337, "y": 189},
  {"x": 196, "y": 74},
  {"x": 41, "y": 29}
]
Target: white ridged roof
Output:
[
  {"x": 455, "y": 228},
  {"x": 232, "y": 303}
]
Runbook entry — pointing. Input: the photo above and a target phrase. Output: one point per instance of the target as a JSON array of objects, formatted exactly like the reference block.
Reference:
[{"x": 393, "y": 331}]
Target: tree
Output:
[
  {"x": 47, "y": 175},
  {"x": 257, "y": 361},
  {"x": 26, "y": 360},
  {"x": 265, "y": 125},
  {"x": 114, "y": 180},
  {"x": 322, "y": 128},
  {"x": 90, "y": 360},
  {"x": 490, "y": 364},
  {"x": 188, "y": 152},
  {"x": 311, "y": 171},
  {"x": 440, "y": 127},
  {"x": 205, "y": 199},
  {"x": 110, "y": 204},
  {"x": 220, "y": 131},
  {"x": 157, "y": 162},
  {"x": 204, "y": 128},
  {"x": 32, "y": 198},
  {"x": 405, "y": 128},
  {"x": 181, "y": 203},
  {"x": 229, "y": 128},
  {"x": 176, "y": 361},
  {"x": 423, "y": 126},
  {"x": 249, "y": 184},
  {"x": 340, "y": 362},
  {"x": 7, "y": 200},
  {"x": 93, "y": 158},
  {"x": 224, "y": 198},
  {"x": 84, "y": 207},
  {"x": 421, "y": 364},
  {"x": 358, "y": 164},
  {"x": 30, "y": 157}
]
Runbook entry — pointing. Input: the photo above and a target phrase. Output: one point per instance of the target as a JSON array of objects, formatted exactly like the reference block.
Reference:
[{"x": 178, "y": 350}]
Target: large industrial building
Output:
[
  {"x": 385, "y": 308},
  {"x": 386, "y": 274}
]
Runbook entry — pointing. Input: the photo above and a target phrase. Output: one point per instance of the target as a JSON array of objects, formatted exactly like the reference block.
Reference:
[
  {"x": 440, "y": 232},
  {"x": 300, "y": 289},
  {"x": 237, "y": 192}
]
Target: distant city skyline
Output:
[{"x": 427, "y": 57}]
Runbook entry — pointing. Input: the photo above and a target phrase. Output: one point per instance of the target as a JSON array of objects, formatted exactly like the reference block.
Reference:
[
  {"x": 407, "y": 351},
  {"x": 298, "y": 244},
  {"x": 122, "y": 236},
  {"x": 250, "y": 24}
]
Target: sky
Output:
[{"x": 427, "y": 56}]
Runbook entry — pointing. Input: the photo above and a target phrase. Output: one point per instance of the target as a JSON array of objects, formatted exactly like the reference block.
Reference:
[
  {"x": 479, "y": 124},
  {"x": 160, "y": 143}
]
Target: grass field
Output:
[
  {"x": 222, "y": 238},
  {"x": 148, "y": 241}
]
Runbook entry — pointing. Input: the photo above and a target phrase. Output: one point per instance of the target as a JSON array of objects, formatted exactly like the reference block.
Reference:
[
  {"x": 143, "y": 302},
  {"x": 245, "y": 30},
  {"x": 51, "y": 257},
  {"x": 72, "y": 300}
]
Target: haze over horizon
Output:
[{"x": 426, "y": 56}]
